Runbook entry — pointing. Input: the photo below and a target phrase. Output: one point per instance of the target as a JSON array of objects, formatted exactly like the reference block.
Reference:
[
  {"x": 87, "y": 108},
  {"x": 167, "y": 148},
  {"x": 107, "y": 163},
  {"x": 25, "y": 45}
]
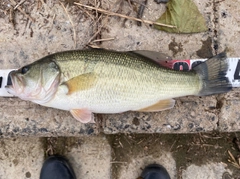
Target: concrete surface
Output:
[
  {"x": 120, "y": 156},
  {"x": 185, "y": 117},
  {"x": 90, "y": 157},
  {"x": 52, "y": 31},
  {"x": 92, "y": 149},
  {"x": 28, "y": 119},
  {"x": 210, "y": 170},
  {"x": 228, "y": 36},
  {"x": 132, "y": 168},
  {"x": 23, "y": 157},
  {"x": 129, "y": 36}
]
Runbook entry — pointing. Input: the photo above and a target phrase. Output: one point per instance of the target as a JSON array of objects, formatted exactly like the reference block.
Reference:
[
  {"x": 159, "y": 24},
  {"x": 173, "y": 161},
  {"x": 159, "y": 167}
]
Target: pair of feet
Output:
[{"x": 57, "y": 167}]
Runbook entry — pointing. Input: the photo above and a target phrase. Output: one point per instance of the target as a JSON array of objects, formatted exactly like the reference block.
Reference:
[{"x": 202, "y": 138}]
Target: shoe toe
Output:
[
  {"x": 155, "y": 171},
  {"x": 57, "y": 167}
]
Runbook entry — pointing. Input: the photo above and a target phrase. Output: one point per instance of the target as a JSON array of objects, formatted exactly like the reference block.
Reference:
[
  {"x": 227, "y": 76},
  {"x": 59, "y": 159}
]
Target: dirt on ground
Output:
[{"x": 186, "y": 149}]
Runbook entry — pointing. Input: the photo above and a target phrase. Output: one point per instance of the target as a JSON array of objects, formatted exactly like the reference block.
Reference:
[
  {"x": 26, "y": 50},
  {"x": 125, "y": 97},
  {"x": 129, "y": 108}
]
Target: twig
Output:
[
  {"x": 232, "y": 160},
  {"x": 86, "y": 12},
  {"x": 172, "y": 145},
  {"x": 93, "y": 46},
  {"x": 74, "y": 32},
  {"x": 140, "y": 141},
  {"x": 117, "y": 162},
  {"x": 19, "y": 4},
  {"x": 120, "y": 144},
  {"x": 124, "y": 16},
  {"x": 98, "y": 31},
  {"x": 207, "y": 145},
  {"x": 210, "y": 137},
  {"x": 11, "y": 16},
  {"x": 232, "y": 157},
  {"x": 102, "y": 40},
  {"x": 42, "y": 2},
  {"x": 22, "y": 11}
]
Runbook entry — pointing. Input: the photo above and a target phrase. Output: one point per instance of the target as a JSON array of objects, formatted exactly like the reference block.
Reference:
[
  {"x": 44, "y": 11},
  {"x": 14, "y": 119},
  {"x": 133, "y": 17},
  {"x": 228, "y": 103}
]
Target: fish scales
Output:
[
  {"x": 124, "y": 78},
  {"x": 126, "y": 67}
]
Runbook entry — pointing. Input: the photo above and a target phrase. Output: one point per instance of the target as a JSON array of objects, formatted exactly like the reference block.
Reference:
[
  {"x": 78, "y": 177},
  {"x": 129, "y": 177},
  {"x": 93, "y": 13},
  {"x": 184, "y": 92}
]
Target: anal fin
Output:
[
  {"x": 83, "y": 115},
  {"x": 159, "y": 106}
]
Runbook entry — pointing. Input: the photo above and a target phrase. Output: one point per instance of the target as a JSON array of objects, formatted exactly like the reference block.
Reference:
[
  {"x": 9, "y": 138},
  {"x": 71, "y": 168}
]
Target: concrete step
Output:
[
  {"x": 122, "y": 156},
  {"x": 23, "y": 157},
  {"x": 190, "y": 115}
]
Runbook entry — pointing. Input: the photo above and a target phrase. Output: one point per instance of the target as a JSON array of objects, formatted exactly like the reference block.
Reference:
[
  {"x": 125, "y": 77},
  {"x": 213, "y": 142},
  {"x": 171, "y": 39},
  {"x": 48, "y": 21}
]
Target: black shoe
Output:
[
  {"x": 57, "y": 167},
  {"x": 155, "y": 171}
]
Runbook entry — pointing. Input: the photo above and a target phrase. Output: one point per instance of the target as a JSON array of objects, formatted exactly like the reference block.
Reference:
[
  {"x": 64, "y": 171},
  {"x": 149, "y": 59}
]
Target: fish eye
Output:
[{"x": 24, "y": 70}]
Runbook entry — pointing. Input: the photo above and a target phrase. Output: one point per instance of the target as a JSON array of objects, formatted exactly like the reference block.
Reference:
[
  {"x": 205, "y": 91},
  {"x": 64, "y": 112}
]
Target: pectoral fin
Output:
[
  {"x": 83, "y": 115},
  {"x": 81, "y": 82},
  {"x": 159, "y": 106}
]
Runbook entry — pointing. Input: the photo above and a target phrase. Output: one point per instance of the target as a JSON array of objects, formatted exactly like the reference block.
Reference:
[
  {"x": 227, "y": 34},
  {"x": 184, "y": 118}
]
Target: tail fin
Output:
[{"x": 213, "y": 75}]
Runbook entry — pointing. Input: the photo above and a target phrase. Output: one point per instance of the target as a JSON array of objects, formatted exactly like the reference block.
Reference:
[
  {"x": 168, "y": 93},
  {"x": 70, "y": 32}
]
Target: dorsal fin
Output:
[{"x": 155, "y": 56}]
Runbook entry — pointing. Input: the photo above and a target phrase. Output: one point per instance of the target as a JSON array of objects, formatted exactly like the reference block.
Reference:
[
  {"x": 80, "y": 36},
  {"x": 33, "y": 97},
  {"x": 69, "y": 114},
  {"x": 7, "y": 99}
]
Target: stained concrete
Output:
[
  {"x": 228, "y": 27},
  {"x": 129, "y": 36},
  {"x": 21, "y": 158},
  {"x": 120, "y": 156},
  {"x": 90, "y": 157},
  {"x": 135, "y": 167},
  {"x": 190, "y": 114},
  {"x": 228, "y": 34},
  {"x": 22, "y": 118},
  {"x": 210, "y": 170}
]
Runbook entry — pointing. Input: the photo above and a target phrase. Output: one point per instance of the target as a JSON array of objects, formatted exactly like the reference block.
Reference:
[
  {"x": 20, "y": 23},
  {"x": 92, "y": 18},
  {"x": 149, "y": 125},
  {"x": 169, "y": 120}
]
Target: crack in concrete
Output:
[
  {"x": 220, "y": 102},
  {"x": 215, "y": 27},
  {"x": 218, "y": 106}
]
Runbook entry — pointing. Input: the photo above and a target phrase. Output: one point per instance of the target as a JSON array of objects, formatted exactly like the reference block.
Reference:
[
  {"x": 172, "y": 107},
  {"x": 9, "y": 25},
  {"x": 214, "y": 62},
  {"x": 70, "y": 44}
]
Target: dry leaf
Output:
[{"x": 183, "y": 14}]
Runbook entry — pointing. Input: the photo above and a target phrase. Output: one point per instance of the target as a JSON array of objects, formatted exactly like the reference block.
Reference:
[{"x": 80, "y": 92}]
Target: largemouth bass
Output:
[{"x": 100, "y": 81}]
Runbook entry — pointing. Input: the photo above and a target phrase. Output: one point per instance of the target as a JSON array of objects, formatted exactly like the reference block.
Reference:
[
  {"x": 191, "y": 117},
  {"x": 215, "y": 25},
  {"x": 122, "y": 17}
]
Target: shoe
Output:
[
  {"x": 57, "y": 167},
  {"x": 154, "y": 171}
]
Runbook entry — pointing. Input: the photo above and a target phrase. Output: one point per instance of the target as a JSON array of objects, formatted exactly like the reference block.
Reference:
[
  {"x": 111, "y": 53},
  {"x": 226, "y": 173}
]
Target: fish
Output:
[{"x": 104, "y": 81}]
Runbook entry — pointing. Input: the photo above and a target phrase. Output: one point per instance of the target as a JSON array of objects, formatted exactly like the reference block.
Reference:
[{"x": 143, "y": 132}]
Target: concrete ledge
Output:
[
  {"x": 22, "y": 118},
  {"x": 190, "y": 115},
  {"x": 230, "y": 113}
]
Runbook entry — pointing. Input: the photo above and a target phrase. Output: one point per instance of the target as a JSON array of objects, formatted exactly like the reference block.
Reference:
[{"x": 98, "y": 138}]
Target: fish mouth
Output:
[
  {"x": 9, "y": 86},
  {"x": 9, "y": 79},
  {"x": 13, "y": 83}
]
